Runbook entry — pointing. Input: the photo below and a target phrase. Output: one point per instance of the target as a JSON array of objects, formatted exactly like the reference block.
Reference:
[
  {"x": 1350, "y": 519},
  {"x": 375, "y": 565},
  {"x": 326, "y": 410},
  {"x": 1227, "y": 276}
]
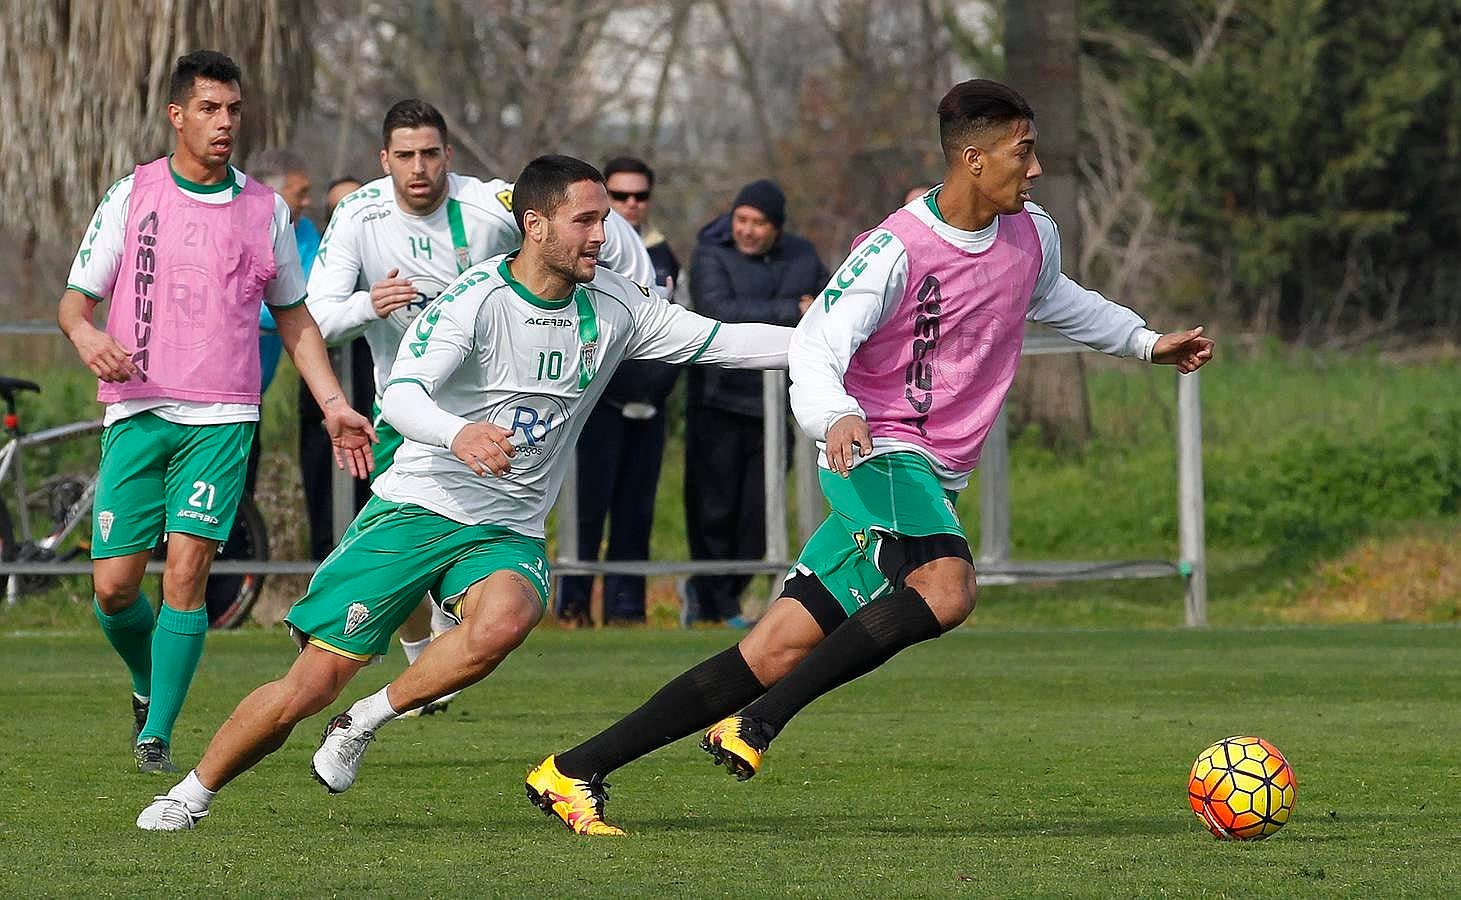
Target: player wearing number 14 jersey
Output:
[{"x": 490, "y": 387}]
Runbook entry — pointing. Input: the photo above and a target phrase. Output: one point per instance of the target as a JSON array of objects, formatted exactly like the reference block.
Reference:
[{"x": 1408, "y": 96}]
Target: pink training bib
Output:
[
  {"x": 936, "y": 373},
  {"x": 186, "y": 301}
]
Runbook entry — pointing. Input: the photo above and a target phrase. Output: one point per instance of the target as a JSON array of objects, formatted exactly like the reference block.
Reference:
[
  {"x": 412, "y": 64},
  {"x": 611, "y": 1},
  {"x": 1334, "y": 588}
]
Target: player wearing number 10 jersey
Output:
[
  {"x": 490, "y": 387},
  {"x": 394, "y": 245}
]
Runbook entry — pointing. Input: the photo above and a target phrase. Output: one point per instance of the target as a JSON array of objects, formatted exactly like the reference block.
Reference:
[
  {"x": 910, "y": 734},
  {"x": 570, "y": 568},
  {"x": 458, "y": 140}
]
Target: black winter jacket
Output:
[{"x": 732, "y": 287}]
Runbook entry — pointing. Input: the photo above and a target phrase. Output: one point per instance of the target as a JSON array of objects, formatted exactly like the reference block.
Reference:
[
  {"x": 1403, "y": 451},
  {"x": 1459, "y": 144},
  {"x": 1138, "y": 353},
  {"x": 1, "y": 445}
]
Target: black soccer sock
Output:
[
  {"x": 693, "y": 700},
  {"x": 872, "y": 636}
]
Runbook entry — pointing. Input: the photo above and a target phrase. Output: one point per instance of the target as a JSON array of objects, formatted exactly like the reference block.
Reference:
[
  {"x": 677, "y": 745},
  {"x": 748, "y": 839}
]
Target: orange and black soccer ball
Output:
[{"x": 1242, "y": 789}]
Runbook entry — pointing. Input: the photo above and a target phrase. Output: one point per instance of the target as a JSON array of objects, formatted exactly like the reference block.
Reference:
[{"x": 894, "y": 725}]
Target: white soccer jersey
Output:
[
  {"x": 94, "y": 273},
  {"x": 370, "y": 235},
  {"x": 487, "y": 350}
]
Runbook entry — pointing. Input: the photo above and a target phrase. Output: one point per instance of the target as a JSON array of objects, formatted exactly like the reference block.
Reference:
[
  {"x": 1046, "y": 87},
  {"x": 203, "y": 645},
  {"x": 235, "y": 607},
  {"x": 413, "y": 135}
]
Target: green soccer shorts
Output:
[
  {"x": 889, "y": 516},
  {"x": 390, "y": 440},
  {"x": 158, "y": 476},
  {"x": 392, "y": 554}
]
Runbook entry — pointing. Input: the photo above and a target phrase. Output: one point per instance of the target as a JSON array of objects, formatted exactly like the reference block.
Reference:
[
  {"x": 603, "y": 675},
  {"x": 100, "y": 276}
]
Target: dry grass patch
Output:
[{"x": 1408, "y": 578}]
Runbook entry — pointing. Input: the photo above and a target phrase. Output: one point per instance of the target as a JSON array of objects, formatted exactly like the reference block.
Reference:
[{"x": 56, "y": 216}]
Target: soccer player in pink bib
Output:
[
  {"x": 898, "y": 370},
  {"x": 185, "y": 248}
]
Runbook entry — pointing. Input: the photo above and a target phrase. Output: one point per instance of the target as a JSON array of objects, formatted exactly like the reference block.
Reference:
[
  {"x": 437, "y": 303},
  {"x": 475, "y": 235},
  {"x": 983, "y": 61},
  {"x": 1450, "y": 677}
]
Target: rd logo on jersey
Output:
[{"x": 534, "y": 421}]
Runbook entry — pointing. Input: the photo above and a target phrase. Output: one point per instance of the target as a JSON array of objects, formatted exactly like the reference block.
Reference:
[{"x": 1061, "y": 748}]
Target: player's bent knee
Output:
[{"x": 948, "y": 587}]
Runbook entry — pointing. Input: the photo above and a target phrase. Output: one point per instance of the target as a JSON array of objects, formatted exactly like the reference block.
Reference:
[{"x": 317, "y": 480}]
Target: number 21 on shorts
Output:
[{"x": 201, "y": 490}]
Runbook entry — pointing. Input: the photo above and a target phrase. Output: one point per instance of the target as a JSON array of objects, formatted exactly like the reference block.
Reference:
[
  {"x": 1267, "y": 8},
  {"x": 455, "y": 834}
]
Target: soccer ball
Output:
[{"x": 1242, "y": 789}]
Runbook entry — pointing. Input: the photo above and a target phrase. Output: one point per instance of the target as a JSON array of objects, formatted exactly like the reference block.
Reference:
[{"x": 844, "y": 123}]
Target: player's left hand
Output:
[
  {"x": 1187, "y": 350},
  {"x": 351, "y": 435}
]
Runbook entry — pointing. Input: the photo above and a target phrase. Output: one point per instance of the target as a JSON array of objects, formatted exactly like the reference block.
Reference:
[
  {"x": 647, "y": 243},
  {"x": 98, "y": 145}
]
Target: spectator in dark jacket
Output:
[
  {"x": 623, "y": 441},
  {"x": 746, "y": 268}
]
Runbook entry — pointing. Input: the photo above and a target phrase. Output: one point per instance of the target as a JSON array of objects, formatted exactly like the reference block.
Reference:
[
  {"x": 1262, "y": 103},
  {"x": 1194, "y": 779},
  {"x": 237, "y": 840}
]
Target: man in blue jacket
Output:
[{"x": 746, "y": 268}]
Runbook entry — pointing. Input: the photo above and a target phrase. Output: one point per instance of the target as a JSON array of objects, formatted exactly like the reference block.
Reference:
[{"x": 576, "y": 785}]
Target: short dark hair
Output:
[
  {"x": 343, "y": 179},
  {"x": 412, "y": 113},
  {"x": 628, "y": 164},
  {"x": 543, "y": 184},
  {"x": 975, "y": 106},
  {"x": 209, "y": 64}
]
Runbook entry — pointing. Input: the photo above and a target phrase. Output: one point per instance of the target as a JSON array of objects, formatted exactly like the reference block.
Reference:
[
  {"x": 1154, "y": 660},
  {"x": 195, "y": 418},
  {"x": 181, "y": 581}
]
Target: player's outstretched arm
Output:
[
  {"x": 1188, "y": 350},
  {"x": 351, "y": 434},
  {"x": 671, "y": 333},
  {"x": 107, "y": 359}
]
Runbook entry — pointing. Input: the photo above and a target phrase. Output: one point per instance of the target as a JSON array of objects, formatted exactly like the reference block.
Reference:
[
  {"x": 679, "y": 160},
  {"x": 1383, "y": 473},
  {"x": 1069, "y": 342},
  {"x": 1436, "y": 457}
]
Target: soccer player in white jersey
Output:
[
  {"x": 396, "y": 243},
  {"x": 897, "y": 370},
  {"x": 184, "y": 248},
  {"x": 490, "y": 388}
]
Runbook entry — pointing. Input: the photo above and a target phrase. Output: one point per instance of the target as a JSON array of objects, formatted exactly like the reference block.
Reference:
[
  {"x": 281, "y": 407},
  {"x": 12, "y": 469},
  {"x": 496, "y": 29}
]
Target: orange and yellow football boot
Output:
[
  {"x": 577, "y": 803},
  {"x": 738, "y": 743}
]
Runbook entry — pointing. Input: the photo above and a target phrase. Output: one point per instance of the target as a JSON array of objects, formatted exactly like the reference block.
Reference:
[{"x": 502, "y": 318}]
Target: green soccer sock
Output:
[
  {"x": 176, "y": 647},
  {"x": 130, "y": 634}
]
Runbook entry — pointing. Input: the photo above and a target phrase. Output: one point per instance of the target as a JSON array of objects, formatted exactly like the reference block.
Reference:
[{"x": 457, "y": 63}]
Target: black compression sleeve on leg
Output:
[
  {"x": 696, "y": 699},
  {"x": 871, "y": 637}
]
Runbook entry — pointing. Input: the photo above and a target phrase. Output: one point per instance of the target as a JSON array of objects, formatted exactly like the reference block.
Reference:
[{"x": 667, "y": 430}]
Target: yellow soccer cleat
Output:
[
  {"x": 577, "y": 803},
  {"x": 738, "y": 743}
]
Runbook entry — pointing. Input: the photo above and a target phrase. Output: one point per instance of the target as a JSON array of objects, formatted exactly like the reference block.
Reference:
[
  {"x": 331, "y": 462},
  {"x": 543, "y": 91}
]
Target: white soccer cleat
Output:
[
  {"x": 337, "y": 762},
  {"x": 166, "y": 813}
]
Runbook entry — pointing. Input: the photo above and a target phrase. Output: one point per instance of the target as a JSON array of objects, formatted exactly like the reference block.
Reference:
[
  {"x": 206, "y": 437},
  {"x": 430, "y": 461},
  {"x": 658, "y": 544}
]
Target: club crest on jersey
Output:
[
  {"x": 355, "y": 616},
  {"x": 588, "y": 355},
  {"x": 104, "y": 520}
]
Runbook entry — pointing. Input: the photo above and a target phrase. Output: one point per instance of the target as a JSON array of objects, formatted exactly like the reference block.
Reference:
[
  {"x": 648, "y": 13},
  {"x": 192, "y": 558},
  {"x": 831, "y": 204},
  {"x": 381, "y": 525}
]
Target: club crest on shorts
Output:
[
  {"x": 355, "y": 616},
  {"x": 104, "y": 520}
]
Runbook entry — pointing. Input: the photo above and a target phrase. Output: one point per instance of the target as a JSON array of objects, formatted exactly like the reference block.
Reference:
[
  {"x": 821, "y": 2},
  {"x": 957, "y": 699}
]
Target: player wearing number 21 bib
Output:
[
  {"x": 490, "y": 388},
  {"x": 183, "y": 250}
]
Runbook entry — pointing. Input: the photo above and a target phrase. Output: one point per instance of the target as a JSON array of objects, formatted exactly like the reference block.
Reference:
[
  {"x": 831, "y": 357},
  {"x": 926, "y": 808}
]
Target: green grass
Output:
[{"x": 993, "y": 762}]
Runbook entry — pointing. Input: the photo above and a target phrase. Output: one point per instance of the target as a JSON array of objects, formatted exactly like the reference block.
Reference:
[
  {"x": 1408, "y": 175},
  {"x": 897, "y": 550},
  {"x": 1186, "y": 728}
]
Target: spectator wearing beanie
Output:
[{"x": 746, "y": 268}]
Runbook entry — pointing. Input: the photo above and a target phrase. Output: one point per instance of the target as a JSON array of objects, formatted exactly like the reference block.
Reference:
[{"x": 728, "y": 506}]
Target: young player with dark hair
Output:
[
  {"x": 898, "y": 370},
  {"x": 185, "y": 248},
  {"x": 397, "y": 242}
]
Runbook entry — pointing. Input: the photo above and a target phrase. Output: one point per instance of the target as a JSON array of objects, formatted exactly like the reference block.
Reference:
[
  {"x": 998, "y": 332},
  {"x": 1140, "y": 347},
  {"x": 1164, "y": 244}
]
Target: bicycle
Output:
[{"x": 51, "y": 522}]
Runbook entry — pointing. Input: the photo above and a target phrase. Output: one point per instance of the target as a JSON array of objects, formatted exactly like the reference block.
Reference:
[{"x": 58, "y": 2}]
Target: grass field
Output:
[{"x": 994, "y": 762}]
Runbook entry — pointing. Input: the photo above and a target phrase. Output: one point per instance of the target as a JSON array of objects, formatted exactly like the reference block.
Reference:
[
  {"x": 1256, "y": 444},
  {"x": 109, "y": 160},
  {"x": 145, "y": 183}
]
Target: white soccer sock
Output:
[
  {"x": 372, "y": 712},
  {"x": 413, "y": 648},
  {"x": 192, "y": 793},
  {"x": 441, "y": 623}
]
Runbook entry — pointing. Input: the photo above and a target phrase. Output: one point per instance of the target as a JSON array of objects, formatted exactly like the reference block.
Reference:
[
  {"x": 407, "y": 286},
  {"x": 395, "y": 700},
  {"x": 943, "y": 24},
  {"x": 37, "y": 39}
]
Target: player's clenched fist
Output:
[
  {"x": 485, "y": 447},
  {"x": 847, "y": 440},
  {"x": 391, "y": 293}
]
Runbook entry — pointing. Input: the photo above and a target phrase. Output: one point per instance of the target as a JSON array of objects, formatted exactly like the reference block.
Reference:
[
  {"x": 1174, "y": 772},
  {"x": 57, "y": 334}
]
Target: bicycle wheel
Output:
[{"x": 230, "y": 598}]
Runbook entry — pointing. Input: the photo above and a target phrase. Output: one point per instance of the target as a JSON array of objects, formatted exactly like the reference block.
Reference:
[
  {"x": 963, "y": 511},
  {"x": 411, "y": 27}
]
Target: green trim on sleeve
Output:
[
  {"x": 416, "y": 381},
  {"x": 705, "y": 346},
  {"x": 82, "y": 290},
  {"x": 288, "y": 305}
]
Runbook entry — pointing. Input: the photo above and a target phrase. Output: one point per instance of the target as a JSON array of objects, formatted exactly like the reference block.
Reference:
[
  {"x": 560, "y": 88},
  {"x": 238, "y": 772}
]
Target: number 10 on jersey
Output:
[{"x": 550, "y": 364}]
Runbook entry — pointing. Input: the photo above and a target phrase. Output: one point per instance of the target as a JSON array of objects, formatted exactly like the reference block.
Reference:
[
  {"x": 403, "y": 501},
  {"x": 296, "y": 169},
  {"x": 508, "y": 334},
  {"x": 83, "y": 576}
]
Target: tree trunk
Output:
[{"x": 1042, "y": 61}]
